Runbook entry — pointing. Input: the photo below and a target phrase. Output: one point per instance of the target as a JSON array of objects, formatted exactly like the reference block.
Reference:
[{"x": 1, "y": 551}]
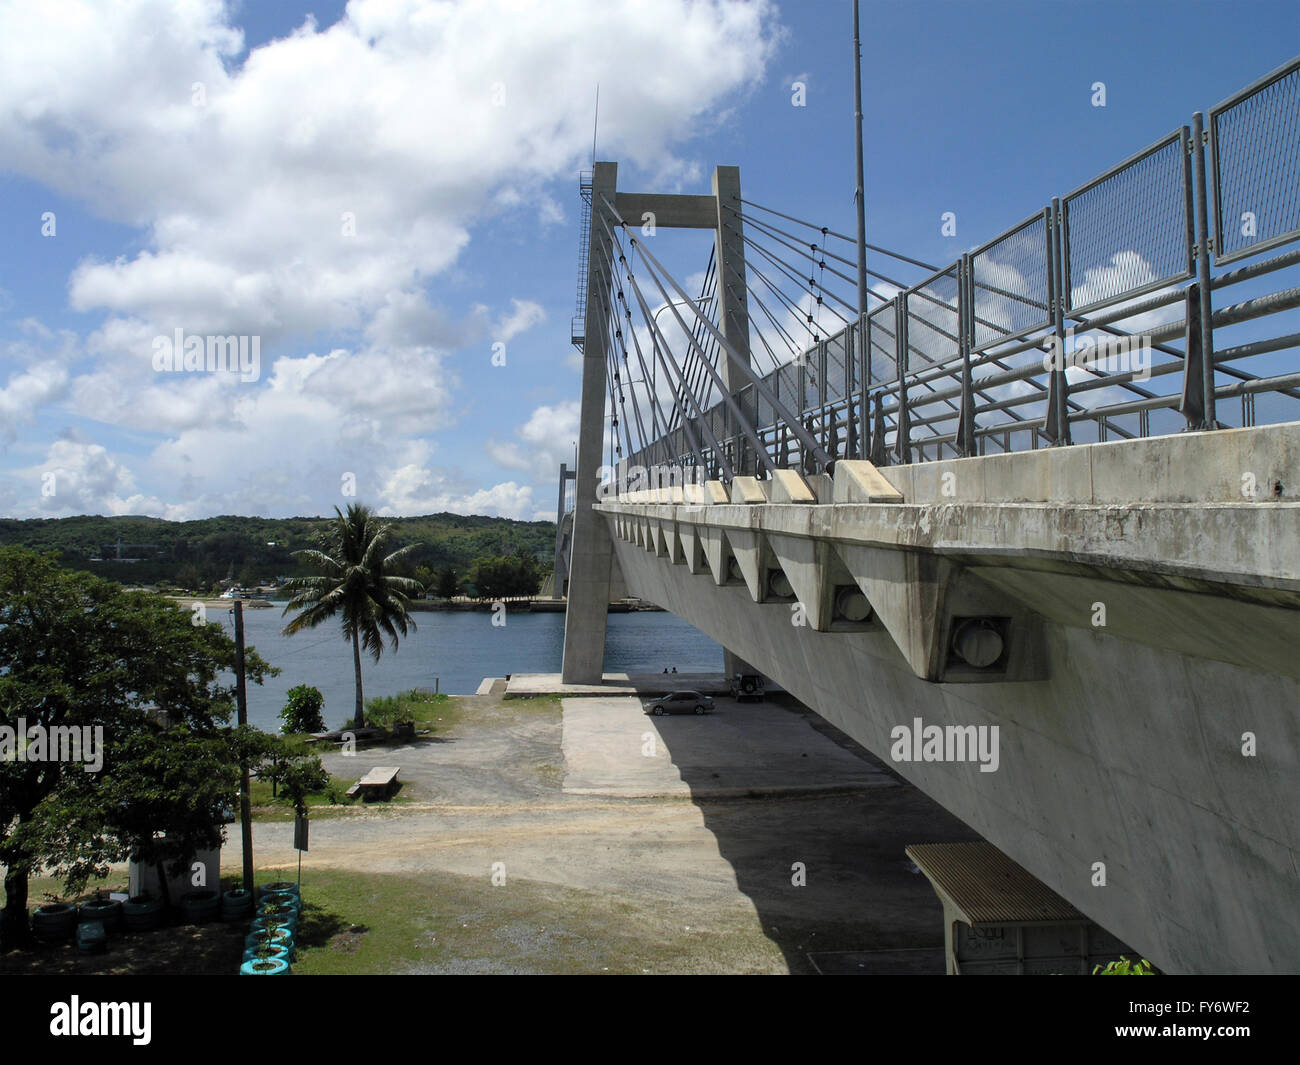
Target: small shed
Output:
[{"x": 998, "y": 919}]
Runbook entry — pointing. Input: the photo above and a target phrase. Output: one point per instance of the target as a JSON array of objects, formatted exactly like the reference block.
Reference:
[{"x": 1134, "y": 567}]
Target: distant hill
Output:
[{"x": 199, "y": 553}]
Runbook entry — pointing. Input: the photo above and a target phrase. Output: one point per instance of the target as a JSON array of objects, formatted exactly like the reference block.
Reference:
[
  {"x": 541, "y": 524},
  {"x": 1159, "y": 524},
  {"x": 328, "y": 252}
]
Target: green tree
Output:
[
  {"x": 496, "y": 578},
  {"x": 302, "y": 713},
  {"x": 448, "y": 583},
  {"x": 78, "y": 652},
  {"x": 167, "y": 797},
  {"x": 356, "y": 583},
  {"x": 290, "y": 768}
]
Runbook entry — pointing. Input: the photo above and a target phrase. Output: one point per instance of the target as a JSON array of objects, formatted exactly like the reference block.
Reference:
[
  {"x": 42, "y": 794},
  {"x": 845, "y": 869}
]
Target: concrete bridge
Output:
[{"x": 1086, "y": 648}]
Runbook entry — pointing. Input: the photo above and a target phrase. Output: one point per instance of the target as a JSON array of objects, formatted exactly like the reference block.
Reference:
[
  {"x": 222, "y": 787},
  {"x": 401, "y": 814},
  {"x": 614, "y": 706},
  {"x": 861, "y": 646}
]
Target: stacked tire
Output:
[
  {"x": 236, "y": 905},
  {"x": 55, "y": 922},
  {"x": 200, "y": 907},
  {"x": 142, "y": 913},
  {"x": 269, "y": 948},
  {"x": 107, "y": 912}
]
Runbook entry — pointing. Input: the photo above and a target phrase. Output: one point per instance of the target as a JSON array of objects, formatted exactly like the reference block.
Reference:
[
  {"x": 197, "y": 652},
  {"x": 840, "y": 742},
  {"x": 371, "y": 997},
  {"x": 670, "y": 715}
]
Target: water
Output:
[{"x": 459, "y": 648}]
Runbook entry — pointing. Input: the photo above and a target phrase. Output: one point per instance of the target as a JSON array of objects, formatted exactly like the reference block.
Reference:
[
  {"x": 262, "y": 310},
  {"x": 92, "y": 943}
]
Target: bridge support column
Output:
[
  {"x": 733, "y": 303},
  {"x": 732, "y": 664},
  {"x": 592, "y": 551}
]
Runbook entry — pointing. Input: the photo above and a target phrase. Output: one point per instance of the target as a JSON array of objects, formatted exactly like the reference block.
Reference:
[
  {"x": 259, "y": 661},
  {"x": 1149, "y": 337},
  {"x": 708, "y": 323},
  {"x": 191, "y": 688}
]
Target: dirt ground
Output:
[{"x": 760, "y": 822}]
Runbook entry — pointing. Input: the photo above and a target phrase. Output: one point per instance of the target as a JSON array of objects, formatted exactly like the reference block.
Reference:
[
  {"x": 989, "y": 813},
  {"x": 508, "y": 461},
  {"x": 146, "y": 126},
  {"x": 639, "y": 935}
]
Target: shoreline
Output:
[{"x": 528, "y": 604}]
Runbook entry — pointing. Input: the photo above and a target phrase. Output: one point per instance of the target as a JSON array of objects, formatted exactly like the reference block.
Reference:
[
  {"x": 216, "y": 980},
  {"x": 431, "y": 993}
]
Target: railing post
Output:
[
  {"x": 1192, "y": 406},
  {"x": 864, "y": 384},
  {"x": 822, "y": 360},
  {"x": 966, "y": 423},
  {"x": 879, "y": 456},
  {"x": 1204, "y": 315},
  {"x": 902, "y": 434},
  {"x": 1057, "y": 419},
  {"x": 850, "y": 418}
]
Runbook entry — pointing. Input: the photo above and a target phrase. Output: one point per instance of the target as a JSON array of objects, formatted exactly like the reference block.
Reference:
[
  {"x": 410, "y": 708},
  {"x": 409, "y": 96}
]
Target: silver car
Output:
[{"x": 682, "y": 703}]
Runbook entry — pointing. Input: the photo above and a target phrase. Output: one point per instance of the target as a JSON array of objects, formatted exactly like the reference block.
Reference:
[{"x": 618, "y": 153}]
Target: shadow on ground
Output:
[{"x": 827, "y": 872}]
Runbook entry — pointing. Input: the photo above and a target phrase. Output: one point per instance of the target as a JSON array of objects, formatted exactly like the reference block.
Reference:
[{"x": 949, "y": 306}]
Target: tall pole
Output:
[
  {"x": 864, "y": 359},
  {"x": 241, "y": 705}
]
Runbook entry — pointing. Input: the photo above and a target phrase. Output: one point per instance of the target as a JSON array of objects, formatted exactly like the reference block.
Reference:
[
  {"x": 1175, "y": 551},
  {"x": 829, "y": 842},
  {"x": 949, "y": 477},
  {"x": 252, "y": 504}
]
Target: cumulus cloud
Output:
[
  {"x": 318, "y": 186},
  {"x": 543, "y": 442},
  {"x": 414, "y": 489},
  {"x": 300, "y": 185}
]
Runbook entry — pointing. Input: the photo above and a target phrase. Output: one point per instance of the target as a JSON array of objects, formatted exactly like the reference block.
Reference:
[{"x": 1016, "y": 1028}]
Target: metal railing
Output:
[{"x": 1119, "y": 270}]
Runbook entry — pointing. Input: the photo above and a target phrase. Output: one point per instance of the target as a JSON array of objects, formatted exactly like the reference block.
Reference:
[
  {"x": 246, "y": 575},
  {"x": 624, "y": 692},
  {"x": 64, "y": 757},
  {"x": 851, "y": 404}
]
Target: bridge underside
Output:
[{"x": 1143, "y": 669}]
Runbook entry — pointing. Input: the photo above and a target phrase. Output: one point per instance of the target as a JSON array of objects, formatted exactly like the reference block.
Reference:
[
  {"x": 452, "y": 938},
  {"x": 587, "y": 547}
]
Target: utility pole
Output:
[
  {"x": 241, "y": 704},
  {"x": 864, "y": 359}
]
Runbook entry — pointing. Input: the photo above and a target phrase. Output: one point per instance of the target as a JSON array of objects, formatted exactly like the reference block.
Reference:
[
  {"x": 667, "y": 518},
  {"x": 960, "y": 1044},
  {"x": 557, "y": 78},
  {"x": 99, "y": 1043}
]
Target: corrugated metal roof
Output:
[{"x": 984, "y": 886}]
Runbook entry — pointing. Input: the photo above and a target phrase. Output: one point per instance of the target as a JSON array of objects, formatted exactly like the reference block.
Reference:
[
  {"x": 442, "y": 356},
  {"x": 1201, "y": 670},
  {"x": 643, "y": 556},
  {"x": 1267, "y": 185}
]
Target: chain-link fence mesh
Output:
[
  {"x": 1255, "y": 158},
  {"x": 836, "y": 349},
  {"x": 1011, "y": 282},
  {"x": 884, "y": 345},
  {"x": 932, "y": 319},
  {"x": 1129, "y": 231}
]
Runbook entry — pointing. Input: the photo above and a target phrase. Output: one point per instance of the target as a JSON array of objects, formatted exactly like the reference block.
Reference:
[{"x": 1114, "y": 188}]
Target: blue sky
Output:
[{"x": 452, "y": 134}]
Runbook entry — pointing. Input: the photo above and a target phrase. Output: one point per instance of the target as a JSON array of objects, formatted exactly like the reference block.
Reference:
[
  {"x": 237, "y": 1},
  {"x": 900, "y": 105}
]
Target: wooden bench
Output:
[{"x": 379, "y": 783}]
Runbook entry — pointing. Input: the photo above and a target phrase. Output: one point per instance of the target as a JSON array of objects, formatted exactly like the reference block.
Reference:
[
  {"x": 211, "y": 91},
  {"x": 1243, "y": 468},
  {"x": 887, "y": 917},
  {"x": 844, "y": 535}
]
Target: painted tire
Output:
[
  {"x": 236, "y": 905},
  {"x": 251, "y": 944},
  {"x": 281, "y": 952},
  {"x": 280, "y": 898},
  {"x": 281, "y": 936},
  {"x": 267, "y": 967},
  {"x": 54, "y": 923},
  {"x": 284, "y": 914},
  {"x": 280, "y": 885},
  {"x": 200, "y": 907},
  {"x": 141, "y": 913},
  {"x": 108, "y": 912}
]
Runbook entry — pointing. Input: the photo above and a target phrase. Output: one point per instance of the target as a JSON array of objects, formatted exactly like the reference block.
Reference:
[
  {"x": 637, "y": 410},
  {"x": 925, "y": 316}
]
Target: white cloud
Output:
[
  {"x": 25, "y": 393},
  {"x": 82, "y": 478},
  {"x": 386, "y": 118},
  {"x": 523, "y": 317},
  {"x": 546, "y": 440},
  {"x": 322, "y": 185},
  {"x": 414, "y": 489}
]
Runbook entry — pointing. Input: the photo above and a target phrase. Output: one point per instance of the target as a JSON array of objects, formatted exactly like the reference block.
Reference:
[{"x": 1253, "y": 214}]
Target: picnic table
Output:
[{"x": 379, "y": 783}]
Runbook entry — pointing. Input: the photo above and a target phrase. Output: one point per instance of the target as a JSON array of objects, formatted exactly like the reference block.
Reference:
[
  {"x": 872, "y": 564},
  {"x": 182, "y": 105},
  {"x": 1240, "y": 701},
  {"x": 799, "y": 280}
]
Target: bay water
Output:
[{"x": 452, "y": 650}]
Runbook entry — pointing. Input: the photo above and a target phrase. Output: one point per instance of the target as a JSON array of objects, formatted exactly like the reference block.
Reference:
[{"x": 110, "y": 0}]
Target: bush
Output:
[
  {"x": 296, "y": 775},
  {"x": 1124, "y": 967},
  {"x": 302, "y": 713},
  {"x": 388, "y": 710}
]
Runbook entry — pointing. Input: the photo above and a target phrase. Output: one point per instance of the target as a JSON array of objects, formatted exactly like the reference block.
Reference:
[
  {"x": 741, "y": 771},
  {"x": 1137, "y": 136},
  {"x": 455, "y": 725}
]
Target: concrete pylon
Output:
[
  {"x": 733, "y": 298},
  {"x": 593, "y": 574},
  {"x": 592, "y": 551}
]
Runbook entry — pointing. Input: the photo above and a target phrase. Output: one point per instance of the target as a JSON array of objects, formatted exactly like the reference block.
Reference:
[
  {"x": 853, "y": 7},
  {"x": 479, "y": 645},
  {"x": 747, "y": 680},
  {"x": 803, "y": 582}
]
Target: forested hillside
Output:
[{"x": 197, "y": 554}]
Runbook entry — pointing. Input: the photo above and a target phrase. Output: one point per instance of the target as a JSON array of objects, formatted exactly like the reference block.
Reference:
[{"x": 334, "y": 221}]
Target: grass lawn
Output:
[
  {"x": 441, "y": 922},
  {"x": 367, "y": 923}
]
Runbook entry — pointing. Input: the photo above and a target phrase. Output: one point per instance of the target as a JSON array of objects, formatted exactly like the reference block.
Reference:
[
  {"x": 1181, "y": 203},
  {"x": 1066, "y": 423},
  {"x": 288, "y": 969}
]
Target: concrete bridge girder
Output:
[
  {"x": 820, "y": 580},
  {"x": 1206, "y": 625},
  {"x": 692, "y": 549},
  {"x": 717, "y": 555},
  {"x": 1156, "y": 600},
  {"x": 658, "y": 540},
  {"x": 1092, "y": 769},
  {"x": 673, "y": 539},
  {"x": 753, "y": 558}
]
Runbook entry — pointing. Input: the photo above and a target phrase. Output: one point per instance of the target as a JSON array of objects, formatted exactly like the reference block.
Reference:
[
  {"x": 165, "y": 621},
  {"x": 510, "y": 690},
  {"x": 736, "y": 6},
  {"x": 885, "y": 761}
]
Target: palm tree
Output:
[{"x": 355, "y": 581}]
